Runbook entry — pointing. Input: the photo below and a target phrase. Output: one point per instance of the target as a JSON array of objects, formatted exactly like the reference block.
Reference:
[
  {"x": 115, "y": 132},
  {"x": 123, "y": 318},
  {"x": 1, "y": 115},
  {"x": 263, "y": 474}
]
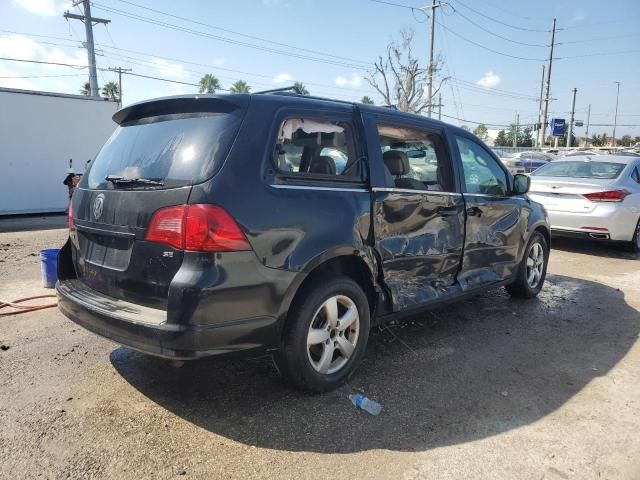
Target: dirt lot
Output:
[{"x": 488, "y": 388}]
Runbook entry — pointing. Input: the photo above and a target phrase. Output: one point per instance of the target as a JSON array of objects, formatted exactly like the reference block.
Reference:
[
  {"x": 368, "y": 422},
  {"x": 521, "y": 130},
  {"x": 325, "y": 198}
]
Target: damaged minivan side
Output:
[{"x": 287, "y": 224}]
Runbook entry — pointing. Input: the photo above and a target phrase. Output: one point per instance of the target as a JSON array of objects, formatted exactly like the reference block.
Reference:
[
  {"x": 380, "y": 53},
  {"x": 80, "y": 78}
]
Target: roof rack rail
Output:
[
  {"x": 290, "y": 91},
  {"x": 277, "y": 90}
]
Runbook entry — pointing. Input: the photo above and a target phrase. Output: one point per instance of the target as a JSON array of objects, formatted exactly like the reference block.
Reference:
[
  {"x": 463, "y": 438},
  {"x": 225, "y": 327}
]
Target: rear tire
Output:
[
  {"x": 634, "y": 246},
  {"x": 533, "y": 268},
  {"x": 326, "y": 334}
]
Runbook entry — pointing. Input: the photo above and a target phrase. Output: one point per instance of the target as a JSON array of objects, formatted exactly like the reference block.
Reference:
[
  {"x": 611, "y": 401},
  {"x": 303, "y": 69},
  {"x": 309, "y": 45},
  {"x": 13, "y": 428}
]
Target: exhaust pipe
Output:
[{"x": 599, "y": 236}]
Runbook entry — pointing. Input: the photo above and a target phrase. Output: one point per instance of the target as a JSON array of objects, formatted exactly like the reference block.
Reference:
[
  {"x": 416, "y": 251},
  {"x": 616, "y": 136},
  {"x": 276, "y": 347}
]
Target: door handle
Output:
[{"x": 474, "y": 211}]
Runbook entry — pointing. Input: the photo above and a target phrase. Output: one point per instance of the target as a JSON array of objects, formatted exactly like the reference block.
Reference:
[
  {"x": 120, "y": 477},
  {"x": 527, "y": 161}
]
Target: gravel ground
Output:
[{"x": 487, "y": 388}]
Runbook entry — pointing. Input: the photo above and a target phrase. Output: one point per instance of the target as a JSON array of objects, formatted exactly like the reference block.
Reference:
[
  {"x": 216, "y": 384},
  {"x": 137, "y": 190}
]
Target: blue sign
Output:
[{"x": 557, "y": 127}]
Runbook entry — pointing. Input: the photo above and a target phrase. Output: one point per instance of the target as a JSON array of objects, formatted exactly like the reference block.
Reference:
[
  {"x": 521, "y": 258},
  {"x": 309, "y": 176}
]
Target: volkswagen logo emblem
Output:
[{"x": 98, "y": 205}]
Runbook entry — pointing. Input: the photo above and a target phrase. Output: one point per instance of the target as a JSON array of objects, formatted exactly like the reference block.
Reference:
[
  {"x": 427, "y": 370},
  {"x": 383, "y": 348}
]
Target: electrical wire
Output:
[
  {"x": 598, "y": 39},
  {"x": 253, "y": 37},
  {"x": 174, "y": 59},
  {"x": 43, "y": 62},
  {"x": 515, "y": 27},
  {"x": 497, "y": 35},
  {"x": 227, "y": 40},
  {"x": 46, "y": 76},
  {"x": 487, "y": 48}
]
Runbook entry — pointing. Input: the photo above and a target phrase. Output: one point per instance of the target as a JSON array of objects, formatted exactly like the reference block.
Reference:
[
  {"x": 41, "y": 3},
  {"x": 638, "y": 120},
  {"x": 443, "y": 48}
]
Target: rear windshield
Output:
[
  {"x": 582, "y": 169},
  {"x": 176, "y": 150}
]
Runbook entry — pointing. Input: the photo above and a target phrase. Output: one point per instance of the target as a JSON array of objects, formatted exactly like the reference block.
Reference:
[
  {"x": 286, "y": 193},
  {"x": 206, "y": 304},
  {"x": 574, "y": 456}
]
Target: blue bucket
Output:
[{"x": 49, "y": 266}]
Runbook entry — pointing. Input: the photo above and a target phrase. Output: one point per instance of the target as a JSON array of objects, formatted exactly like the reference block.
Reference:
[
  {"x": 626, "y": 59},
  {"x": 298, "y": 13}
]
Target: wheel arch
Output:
[{"x": 344, "y": 261}]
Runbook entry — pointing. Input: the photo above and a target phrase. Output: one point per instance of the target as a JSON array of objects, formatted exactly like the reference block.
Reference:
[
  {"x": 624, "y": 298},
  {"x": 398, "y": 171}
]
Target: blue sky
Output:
[{"x": 348, "y": 36}]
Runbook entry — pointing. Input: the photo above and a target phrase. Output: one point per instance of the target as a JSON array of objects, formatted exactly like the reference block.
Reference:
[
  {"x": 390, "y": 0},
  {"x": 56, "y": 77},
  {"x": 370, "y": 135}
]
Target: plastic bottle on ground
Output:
[{"x": 363, "y": 403}]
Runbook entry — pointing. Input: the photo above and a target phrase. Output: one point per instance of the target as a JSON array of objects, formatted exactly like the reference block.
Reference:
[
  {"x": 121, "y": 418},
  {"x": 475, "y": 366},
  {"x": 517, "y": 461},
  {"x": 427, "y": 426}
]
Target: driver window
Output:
[{"x": 482, "y": 174}]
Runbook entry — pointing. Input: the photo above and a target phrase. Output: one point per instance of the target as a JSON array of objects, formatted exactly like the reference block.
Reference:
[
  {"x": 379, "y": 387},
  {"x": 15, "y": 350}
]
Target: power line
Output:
[
  {"x": 163, "y": 79},
  {"x": 487, "y": 48},
  {"x": 175, "y": 59},
  {"x": 253, "y": 37},
  {"x": 497, "y": 35},
  {"x": 598, "y": 39},
  {"x": 46, "y": 76},
  {"x": 500, "y": 21},
  {"x": 395, "y": 4},
  {"x": 43, "y": 62},
  {"x": 597, "y": 54},
  {"x": 226, "y": 39}
]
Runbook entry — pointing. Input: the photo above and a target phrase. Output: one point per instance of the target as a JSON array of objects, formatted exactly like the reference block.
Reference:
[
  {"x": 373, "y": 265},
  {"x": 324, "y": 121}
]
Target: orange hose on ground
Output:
[{"x": 25, "y": 308}]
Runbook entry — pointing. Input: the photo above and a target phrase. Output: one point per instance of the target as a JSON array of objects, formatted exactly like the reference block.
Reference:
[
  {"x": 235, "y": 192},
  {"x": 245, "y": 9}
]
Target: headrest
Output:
[
  {"x": 323, "y": 164},
  {"x": 396, "y": 161}
]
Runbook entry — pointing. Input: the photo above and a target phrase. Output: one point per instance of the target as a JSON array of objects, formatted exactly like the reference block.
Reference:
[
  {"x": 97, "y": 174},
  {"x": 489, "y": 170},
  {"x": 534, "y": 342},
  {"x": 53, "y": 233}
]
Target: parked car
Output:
[
  {"x": 597, "y": 198},
  {"x": 526, "y": 162},
  {"x": 214, "y": 224}
]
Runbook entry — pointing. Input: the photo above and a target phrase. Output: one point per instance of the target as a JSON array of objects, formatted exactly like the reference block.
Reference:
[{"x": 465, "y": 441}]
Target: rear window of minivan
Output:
[
  {"x": 580, "y": 169},
  {"x": 177, "y": 149}
]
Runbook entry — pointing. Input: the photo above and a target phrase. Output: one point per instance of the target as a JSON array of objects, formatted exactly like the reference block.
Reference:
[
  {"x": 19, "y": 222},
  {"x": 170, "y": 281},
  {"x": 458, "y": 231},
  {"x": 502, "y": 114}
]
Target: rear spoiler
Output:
[{"x": 181, "y": 105}]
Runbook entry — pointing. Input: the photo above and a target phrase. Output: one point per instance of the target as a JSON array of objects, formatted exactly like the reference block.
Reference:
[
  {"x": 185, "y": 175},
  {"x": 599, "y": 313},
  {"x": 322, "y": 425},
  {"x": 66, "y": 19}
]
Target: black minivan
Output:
[{"x": 212, "y": 224}]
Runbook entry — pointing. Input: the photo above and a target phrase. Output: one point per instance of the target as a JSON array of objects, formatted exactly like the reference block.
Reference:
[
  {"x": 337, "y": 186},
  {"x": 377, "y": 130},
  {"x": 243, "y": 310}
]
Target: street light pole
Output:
[
  {"x": 615, "y": 117},
  {"x": 573, "y": 112}
]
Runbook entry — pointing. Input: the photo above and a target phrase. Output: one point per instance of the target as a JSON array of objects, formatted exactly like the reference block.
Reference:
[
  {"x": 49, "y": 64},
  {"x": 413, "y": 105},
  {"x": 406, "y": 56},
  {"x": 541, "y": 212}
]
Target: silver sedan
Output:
[{"x": 596, "y": 197}]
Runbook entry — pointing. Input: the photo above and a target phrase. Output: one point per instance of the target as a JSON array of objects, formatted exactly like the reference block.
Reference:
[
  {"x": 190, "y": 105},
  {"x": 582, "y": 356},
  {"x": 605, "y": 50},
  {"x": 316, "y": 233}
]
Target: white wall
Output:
[{"x": 39, "y": 133}]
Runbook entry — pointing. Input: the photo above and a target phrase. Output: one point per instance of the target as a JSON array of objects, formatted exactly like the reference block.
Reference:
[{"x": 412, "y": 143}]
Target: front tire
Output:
[
  {"x": 532, "y": 270},
  {"x": 326, "y": 334}
]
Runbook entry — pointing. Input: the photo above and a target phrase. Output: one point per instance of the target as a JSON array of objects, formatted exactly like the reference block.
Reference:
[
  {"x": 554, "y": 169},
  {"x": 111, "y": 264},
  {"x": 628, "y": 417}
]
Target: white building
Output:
[{"x": 39, "y": 133}]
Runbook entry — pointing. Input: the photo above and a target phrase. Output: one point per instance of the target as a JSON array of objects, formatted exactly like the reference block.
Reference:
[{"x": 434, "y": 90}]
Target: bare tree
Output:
[{"x": 400, "y": 79}]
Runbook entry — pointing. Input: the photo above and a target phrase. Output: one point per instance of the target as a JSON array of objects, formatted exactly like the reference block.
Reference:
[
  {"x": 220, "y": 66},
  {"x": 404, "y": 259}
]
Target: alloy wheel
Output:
[
  {"x": 333, "y": 334},
  {"x": 535, "y": 264}
]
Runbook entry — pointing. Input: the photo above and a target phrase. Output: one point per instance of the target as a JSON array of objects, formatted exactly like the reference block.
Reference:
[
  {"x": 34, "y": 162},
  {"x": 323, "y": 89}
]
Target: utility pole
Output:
[
  {"x": 573, "y": 112},
  {"x": 615, "y": 118},
  {"x": 515, "y": 133},
  {"x": 119, "y": 70},
  {"x": 540, "y": 108},
  {"x": 548, "y": 83},
  {"x": 433, "y": 7},
  {"x": 586, "y": 133},
  {"x": 88, "y": 21}
]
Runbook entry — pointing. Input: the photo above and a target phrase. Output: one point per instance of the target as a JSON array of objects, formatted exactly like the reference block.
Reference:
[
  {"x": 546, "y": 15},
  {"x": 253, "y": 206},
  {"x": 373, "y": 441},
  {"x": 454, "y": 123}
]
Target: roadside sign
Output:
[
  {"x": 556, "y": 127},
  {"x": 578, "y": 123}
]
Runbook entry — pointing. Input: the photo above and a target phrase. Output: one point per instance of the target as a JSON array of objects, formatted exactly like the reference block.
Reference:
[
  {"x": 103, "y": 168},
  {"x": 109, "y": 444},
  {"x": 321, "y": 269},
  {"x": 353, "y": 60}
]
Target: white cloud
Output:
[
  {"x": 44, "y": 7},
  {"x": 219, "y": 61},
  {"x": 282, "y": 78},
  {"x": 19, "y": 46},
  {"x": 169, "y": 69},
  {"x": 354, "y": 81},
  {"x": 489, "y": 80}
]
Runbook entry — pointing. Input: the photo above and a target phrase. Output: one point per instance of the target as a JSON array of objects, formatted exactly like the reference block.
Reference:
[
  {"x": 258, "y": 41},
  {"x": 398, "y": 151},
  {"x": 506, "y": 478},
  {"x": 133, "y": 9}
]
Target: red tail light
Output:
[
  {"x": 166, "y": 226},
  {"x": 200, "y": 228},
  {"x": 72, "y": 225},
  {"x": 610, "y": 196}
]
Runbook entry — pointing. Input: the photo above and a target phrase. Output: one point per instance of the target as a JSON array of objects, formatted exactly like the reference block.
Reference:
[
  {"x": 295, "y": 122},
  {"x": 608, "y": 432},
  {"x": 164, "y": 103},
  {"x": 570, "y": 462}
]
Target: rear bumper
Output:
[
  {"x": 609, "y": 219},
  {"x": 146, "y": 330}
]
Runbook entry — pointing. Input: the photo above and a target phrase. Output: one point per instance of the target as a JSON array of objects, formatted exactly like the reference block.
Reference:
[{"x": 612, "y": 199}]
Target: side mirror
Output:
[{"x": 521, "y": 183}]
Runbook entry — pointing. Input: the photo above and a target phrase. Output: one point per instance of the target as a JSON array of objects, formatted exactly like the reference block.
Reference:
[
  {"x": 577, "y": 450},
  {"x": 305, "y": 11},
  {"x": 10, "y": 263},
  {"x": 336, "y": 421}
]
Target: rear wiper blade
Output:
[{"x": 116, "y": 180}]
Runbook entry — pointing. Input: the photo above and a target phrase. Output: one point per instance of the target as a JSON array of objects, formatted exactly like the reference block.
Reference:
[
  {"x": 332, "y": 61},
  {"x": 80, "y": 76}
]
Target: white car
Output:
[{"x": 595, "y": 197}]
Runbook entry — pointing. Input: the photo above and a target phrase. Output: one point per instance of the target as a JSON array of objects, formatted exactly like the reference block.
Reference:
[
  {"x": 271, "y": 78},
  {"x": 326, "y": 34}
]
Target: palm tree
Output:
[
  {"x": 366, "y": 100},
  {"x": 300, "y": 89},
  {"x": 209, "y": 84},
  {"x": 240, "y": 87},
  {"x": 86, "y": 89},
  {"x": 110, "y": 90}
]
